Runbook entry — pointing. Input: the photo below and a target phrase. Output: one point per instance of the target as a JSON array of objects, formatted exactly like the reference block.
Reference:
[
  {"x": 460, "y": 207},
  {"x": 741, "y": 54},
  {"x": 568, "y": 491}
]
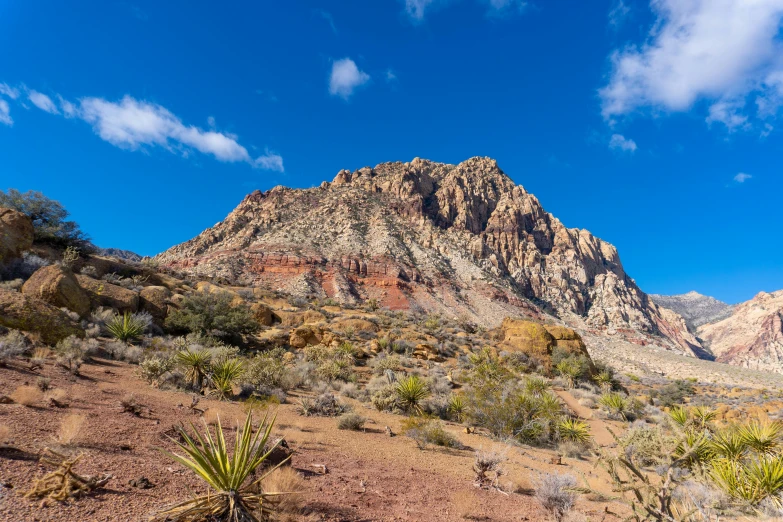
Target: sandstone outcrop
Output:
[
  {"x": 23, "y": 312},
  {"x": 460, "y": 240},
  {"x": 538, "y": 341},
  {"x": 58, "y": 286},
  {"x": 16, "y": 234},
  {"x": 155, "y": 300},
  {"x": 752, "y": 336},
  {"x": 102, "y": 293}
]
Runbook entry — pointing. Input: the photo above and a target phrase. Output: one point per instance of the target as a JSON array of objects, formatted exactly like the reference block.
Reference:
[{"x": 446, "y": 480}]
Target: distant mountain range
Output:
[
  {"x": 126, "y": 255},
  {"x": 695, "y": 308}
]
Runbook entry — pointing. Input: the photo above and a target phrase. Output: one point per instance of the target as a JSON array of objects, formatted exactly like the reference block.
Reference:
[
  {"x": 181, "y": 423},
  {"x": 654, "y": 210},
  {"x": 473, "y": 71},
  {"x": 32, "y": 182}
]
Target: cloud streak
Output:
[
  {"x": 133, "y": 124},
  {"x": 742, "y": 177},
  {"x": 620, "y": 142},
  {"x": 724, "y": 52}
]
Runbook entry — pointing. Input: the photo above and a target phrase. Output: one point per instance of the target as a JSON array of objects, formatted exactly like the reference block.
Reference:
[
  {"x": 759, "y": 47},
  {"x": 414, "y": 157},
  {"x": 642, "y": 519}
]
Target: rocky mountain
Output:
[
  {"x": 125, "y": 255},
  {"x": 462, "y": 240},
  {"x": 695, "y": 308},
  {"x": 752, "y": 336}
]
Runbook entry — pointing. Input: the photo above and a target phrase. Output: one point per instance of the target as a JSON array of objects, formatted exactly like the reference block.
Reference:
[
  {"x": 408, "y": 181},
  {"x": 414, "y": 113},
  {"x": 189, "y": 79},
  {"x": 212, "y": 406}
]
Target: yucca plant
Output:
[
  {"x": 615, "y": 403},
  {"x": 209, "y": 459},
  {"x": 766, "y": 476},
  {"x": 549, "y": 407},
  {"x": 697, "y": 447},
  {"x": 679, "y": 416},
  {"x": 225, "y": 375},
  {"x": 197, "y": 364},
  {"x": 762, "y": 437},
  {"x": 605, "y": 380},
  {"x": 728, "y": 443},
  {"x": 570, "y": 369},
  {"x": 702, "y": 417},
  {"x": 457, "y": 407},
  {"x": 574, "y": 430},
  {"x": 411, "y": 391},
  {"x": 536, "y": 386},
  {"x": 126, "y": 327}
]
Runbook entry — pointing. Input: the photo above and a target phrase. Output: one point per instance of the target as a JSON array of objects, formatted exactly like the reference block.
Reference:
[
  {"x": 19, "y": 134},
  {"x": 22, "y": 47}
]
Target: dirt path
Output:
[{"x": 598, "y": 427}]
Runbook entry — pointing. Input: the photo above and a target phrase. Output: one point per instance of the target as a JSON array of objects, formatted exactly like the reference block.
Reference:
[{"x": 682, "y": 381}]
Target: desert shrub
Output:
[
  {"x": 411, "y": 391},
  {"x": 573, "y": 430},
  {"x": 27, "y": 395},
  {"x": 384, "y": 397},
  {"x": 128, "y": 327},
  {"x": 649, "y": 445},
  {"x": 153, "y": 368},
  {"x": 70, "y": 353},
  {"x": 129, "y": 404},
  {"x": 225, "y": 374},
  {"x": 386, "y": 362},
  {"x": 487, "y": 467},
  {"x": 556, "y": 494},
  {"x": 213, "y": 314},
  {"x": 229, "y": 498},
  {"x": 674, "y": 393},
  {"x": 324, "y": 405},
  {"x": 48, "y": 217},
  {"x": 350, "y": 389},
  {"x": 332, "y": 363},
  {"x": 269, "y": 369},
  {"x": 351, "y": 421},
  {"x": 123, "y": 352},
  {"x": 70, "y": 428},
  {"x": 619, "y": 406},
  {"x": 197, "y": 364},
  {"x": 12, "y": 344},
  {"x": 286, "y": 479},
  {"x": 24, "y": 267},
  {"x": 425, "y": 431},
  {"x": 456, "y": 407},
  {"x": 89, "y": 270}
]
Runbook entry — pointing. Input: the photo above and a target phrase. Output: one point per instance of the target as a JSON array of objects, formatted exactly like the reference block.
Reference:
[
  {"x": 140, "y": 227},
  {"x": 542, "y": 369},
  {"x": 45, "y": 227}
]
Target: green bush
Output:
[
  {"x": 49, "y": 219},
  {"x": 127, "y": 327},
  {"x": 269, "y": 370},
  {"x": 425, "y": 431},
  {"x": 351, "y": 421},
  {"x": 212, "y": 314}
]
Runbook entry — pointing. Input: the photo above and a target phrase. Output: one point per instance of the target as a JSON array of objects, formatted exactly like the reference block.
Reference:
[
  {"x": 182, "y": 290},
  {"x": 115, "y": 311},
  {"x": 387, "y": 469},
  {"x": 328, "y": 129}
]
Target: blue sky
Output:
[{"x": 654, "y": 126}]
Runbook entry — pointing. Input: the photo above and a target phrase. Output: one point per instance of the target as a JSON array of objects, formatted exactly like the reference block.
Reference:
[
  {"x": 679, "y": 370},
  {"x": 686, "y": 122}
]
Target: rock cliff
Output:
[{"x": 457, "y": 239}]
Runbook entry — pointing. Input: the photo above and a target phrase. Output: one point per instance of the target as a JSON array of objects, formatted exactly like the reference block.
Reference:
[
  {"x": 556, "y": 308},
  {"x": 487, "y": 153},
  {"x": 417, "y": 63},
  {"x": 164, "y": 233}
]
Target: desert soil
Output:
[{"x": 370, "y": 476}]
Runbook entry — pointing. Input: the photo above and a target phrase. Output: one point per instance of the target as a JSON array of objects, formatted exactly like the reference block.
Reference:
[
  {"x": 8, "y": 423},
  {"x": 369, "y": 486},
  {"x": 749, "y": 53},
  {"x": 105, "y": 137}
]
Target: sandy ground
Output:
[{"x": 370, "y": 477}]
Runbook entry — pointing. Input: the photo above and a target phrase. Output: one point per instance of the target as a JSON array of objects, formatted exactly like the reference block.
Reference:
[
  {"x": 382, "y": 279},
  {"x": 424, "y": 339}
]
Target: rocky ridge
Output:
[
  {"x": 695, "y": 308},
  {"x": 752, "y": 336},
  {"x": 463, "y": 240}
]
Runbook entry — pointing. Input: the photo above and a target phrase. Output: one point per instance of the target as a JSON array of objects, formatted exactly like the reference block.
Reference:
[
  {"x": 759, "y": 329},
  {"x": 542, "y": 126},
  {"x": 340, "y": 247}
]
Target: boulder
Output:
[
  {"x": 24, "y": 312},
  {"x": 16, "y": 234},
  {"x": 357, "y": 325},
  {"x": 58, "y": 286},
  {"x": 106, "y": 294},
  {"x": 306, "y": 335},
  {"x": 427, "y": 352},
  {"x": 154, "y": 299},
  {"x": 263, "y": 314},
  {"x": 539, "y": 340}
]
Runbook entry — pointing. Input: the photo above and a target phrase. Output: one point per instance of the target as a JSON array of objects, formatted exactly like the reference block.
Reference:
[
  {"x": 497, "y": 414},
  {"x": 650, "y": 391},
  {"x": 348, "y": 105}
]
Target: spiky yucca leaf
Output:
[
  {"x": 224, "y": 375},
  {"x": 605, "y": 380},
  {"x": 208, "y": 457},
  {"x": 127, "y": 327},
  {"x": 679, "y": 416},
  {"x": 615, "y": 403},
  {"x": 411, "y": 391},
  {"x": 766, "y": 476},
  {"x": 536, "y": 385},
  {"x": 197, "y": 364},
  {"x": 694, "y": 448},
  {"x": 762, "y": 437},
  {"x": 729, "y": 443},
  {"x": 570, "y": 369},
  {"x": 548, "y": 406},
  {"x": 457, "y": 406},
  {"x": 574, "y": 430},
  {"x": 702, "y": 417}
]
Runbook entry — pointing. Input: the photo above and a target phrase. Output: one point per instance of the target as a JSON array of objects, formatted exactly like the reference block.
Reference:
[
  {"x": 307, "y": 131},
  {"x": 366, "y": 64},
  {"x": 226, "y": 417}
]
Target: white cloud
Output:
[
  {"x": 270, "y": 161},
  {"x": 346, "y": 77},
  {"x": 618, "y": 13},
  {"x": 620, "y": 142},
  {"x": 5, "y": 113},
  {"x": 416, "y": 8},
  {"x": 9, "y": 91},
  {"x": 391, "y": 76},
  {"x": 69, "y": 109},
  {"x": 42, "y": 101},
  {"x": 742, "y": 177},
  {"x": 721, "y": 51}
]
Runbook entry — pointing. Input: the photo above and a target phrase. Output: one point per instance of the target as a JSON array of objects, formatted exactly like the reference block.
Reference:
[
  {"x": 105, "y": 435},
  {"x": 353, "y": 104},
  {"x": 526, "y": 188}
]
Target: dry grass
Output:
[
  {"x": 27, "y": 395},
  {"x": 58, "y": 394},
  {"x": 286, "y": 480},
  {"x": 227, "y": 419},
  {"x": 466, "y": 504},
  {"x": 70, "y": 428},
  {"x": 5, "y": 434}
]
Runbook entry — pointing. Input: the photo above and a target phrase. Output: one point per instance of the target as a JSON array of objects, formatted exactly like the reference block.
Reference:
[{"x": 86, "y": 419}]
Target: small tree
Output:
[
  {"x": 49, "y": 218},
  {"x": 212, "y": 314}
]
